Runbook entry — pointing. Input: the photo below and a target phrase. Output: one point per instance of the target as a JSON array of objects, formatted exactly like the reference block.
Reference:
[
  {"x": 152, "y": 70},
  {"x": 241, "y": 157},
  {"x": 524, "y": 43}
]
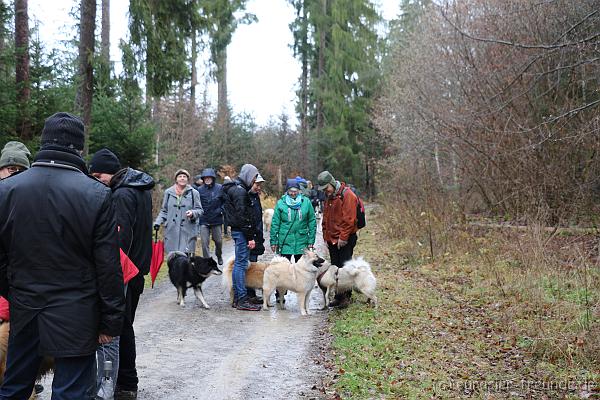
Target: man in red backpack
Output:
[{"x": 339, "y": 225}]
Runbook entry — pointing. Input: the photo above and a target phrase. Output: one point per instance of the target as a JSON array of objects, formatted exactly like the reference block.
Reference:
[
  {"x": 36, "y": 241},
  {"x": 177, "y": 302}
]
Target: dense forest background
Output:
[{"x": 472, "y": 106}]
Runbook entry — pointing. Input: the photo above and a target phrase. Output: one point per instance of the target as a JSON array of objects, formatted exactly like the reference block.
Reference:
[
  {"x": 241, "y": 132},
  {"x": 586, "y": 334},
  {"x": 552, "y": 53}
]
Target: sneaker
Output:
[
  {"x": 245, "y": 305},
  {"x": 255, "y": 300},
  {"x": 38, "y": 388},
  {"x": 126, "y": 395}
]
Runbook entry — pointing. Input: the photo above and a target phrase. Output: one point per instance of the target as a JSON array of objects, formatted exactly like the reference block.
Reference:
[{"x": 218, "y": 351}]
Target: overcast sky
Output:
[{"x": 262, "y": 72}]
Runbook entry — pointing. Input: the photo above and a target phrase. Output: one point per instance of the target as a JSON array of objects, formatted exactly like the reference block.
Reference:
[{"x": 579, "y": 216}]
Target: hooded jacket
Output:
[
  {"x": 132, "y": 196},
  {"x": 59, "y": 254},
  {"x": 212, "y": 199},
  {"x": 238, "y": 205}
]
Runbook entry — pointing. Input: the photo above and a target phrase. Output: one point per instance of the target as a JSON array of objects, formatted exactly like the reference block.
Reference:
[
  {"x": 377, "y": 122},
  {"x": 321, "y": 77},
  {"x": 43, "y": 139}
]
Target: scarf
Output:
[
  {"x": 179, "y": 192},
  {"x": 61, "y": 155},
  {"x": 293, "y": 203}
]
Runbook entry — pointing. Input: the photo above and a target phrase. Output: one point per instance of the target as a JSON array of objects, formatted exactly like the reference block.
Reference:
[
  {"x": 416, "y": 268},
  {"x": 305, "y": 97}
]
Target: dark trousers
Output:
[
  {"x": 289, "y": 257},
  {"x": 340, "y": 256},
  {"x": 73, "y": 376},
  {"x": 127, "y": 379}
]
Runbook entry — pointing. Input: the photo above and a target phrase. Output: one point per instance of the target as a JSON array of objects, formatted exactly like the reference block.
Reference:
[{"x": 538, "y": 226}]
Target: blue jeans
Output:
[
  {"x": 72, "y": 375},
  {"x": 240, "y": 265}
]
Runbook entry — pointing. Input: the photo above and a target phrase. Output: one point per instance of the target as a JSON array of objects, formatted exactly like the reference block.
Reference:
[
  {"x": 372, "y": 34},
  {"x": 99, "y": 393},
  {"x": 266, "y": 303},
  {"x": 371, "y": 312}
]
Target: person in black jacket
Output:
[
  {"x": 132, "y": 197},
  {"x": 212, "y": 199},
  {"x": 239, "y": 215},
  {"x": 59, "y": 266}
]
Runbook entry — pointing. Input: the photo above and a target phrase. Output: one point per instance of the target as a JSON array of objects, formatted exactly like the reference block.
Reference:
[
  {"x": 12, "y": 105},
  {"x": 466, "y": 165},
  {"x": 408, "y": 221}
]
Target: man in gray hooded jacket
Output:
[{"x": 238, "y": 212}]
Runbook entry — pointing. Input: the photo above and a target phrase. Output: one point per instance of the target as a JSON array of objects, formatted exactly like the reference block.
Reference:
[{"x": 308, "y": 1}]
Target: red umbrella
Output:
[{"x": 158, "y": 255}]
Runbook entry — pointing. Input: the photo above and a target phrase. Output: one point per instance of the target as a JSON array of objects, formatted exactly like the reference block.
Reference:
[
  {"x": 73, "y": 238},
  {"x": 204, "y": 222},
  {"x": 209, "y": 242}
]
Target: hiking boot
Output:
[
  {"x": 341, "y": 301},
  {"x": 126, "y": 395},
  {"x": 255, "y": 300},
  {"x": 245, "y": 305}
]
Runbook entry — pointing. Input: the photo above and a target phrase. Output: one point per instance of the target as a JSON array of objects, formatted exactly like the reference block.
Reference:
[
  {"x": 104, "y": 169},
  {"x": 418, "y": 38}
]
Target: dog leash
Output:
[{"x": 320, "y": 276}]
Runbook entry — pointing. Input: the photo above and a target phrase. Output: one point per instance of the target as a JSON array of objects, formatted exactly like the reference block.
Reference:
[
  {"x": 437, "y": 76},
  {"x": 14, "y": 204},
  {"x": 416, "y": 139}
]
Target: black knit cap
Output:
[
  {"x": 63, "y": 129},
  {"x": 104, "y": 161}
]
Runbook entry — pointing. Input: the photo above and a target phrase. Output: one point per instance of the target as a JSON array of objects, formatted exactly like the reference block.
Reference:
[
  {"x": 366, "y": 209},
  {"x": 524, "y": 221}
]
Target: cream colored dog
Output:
[
  {"x": 356, "y": 274},
  {"x": 254, "y": 275},
  {"x": 267, "y": 218},
  {"x": 298, "y": 277}
]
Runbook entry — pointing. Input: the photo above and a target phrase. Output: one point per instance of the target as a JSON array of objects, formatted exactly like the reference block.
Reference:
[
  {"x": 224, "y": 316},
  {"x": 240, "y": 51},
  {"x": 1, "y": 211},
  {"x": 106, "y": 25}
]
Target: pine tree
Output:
[
  {"x": 344, "y": 77},
  {"x": 222, "y": 23},
  {"x": 85, "y": 94},
  {"x": 23, "y": 126}
]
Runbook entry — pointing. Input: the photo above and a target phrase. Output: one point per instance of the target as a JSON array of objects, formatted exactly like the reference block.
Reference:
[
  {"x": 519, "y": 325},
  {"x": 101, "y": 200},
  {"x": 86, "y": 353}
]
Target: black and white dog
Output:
[{"x": 192, "y": 270}]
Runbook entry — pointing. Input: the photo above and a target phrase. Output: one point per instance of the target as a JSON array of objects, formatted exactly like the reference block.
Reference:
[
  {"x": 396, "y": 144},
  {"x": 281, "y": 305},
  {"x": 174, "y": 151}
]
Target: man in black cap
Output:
[
  {"x": 132, "y": 197},
  {"x": 59, "y": 266}
]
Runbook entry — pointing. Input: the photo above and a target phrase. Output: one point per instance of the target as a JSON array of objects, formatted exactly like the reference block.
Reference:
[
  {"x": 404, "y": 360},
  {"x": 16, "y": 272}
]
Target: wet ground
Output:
[{"x": 222, "y": 353}]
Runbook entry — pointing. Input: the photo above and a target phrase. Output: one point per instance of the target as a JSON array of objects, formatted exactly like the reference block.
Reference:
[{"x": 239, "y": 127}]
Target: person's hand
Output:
[
  {"x": 251, "y": 244},
  {"x": 104, "y": 339},
  {"x": 341, "y": 243},
  {"x": 156, "y": 227},
  {"x": 189, "y": 214},
  {"x": 274, "y": 249}
]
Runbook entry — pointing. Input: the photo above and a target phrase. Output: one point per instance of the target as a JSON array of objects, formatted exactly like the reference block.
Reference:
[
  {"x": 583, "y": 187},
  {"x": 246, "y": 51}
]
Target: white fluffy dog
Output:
[
  {"x": 356, "y": 274},
  {"x": 267, "y": 218},
  {"x": 298, "y": 277}
]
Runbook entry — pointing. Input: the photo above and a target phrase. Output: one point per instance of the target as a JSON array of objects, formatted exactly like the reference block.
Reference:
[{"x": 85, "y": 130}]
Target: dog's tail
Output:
[
  {"x": 278, "y": 259},
  {"x": 227, "y": 270},
  {"x": 356, "y": 266},
  {"x": 174, "y": 254}
]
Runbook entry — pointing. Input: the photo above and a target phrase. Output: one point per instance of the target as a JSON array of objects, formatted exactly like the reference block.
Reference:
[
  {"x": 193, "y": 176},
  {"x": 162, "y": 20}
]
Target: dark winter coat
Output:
[
  {"x": 59, "y": 254},
  {"x": 259, "y": 237},
  {"x": 212, "y": 199},
  {"x": 238, "y": 206},
  {"x": 132, "y": 196}
]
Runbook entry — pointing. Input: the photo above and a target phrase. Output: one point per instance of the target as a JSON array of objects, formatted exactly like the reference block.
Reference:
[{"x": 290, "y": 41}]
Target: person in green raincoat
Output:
[{"x": 294, "y": 225}]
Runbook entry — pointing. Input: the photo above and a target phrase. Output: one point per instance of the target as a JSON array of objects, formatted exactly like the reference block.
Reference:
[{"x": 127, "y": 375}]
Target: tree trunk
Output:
[
  {"x": 304, "y": 96},
  {"x": 279, "y": 180},
  {"x": 320, "y": 74},
  {"x": 157, "y": 122},
  {"x": 194, "y": 73},
  {"x": 23, "y": 123},
  {"x": 85, "y": 92},
  {"x": 105, "y": 45},
  {"x": 223, "y": 105}
]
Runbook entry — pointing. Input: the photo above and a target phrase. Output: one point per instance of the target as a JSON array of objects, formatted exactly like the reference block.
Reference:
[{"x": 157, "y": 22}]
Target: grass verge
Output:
[{"x": 480, "y": 322}]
